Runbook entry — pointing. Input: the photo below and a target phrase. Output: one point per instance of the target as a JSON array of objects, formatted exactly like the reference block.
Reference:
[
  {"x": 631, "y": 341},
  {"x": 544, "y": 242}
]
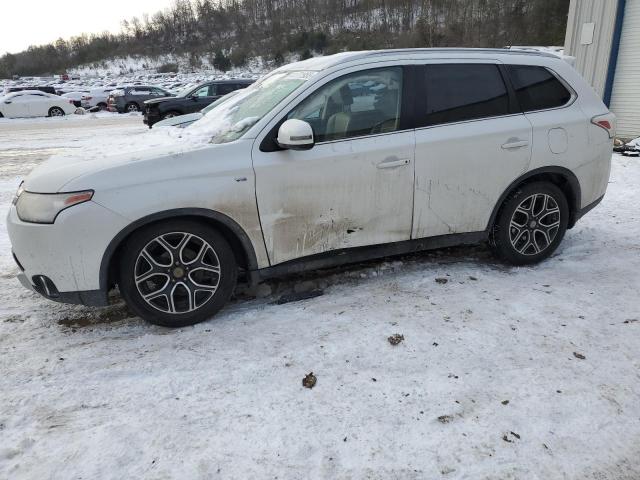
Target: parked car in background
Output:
[
  {"x": 75, "y": 96},
  {"x": 132, "y": 98},
  {"x": 190, "y": 100},
  {"x": 632, "y": 148},
  {"x": 183, "y": 121},
  {"x": 46, "y": 89},
  {"x": 327, "y": 161},
  {"x": 97, "y": 97},
  {"x": 34, "y": 103}
]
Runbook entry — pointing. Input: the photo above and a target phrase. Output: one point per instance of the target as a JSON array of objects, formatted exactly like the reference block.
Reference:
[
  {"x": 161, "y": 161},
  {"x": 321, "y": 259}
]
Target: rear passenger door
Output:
[{"x": 471, "y": 143}]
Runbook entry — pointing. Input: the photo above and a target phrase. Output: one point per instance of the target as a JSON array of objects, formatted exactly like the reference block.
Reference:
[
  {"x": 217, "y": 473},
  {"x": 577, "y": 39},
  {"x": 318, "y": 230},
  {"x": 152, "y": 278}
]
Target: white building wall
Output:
[
  {"x": 589, "y": 36},
  {"x": 625, "y": 98}
]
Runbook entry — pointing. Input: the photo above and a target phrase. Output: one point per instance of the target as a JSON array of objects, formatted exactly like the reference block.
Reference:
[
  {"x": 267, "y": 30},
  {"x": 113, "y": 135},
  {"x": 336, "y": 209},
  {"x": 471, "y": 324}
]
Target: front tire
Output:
[
  {"x": 131, "y": 107},
  {"x": 177, "y": 273},
  {"x": 531, "y": 224}
]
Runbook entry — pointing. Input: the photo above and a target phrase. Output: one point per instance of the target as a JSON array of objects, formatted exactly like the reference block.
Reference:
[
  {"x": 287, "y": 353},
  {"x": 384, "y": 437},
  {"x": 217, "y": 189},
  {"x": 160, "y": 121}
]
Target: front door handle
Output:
[
  {"x": 514, "y": 143},
  {"x": 391, "y": 162}
]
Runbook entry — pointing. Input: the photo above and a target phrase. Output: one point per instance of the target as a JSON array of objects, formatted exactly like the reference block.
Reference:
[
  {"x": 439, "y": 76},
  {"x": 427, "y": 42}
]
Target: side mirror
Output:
[{"x": 295, "y": 135}]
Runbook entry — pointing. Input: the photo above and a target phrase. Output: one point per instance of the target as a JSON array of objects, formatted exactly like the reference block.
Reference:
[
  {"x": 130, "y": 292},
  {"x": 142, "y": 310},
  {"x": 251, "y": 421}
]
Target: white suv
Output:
[{"x": 323, "y": 162}]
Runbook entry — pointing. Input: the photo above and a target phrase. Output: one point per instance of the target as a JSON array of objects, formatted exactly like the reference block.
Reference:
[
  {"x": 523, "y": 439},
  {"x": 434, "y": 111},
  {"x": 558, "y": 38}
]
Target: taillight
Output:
[{"x": 605, "y": 122}]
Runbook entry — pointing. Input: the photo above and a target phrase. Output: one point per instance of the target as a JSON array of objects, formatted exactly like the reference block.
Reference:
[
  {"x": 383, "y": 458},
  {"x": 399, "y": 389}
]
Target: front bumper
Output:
[
  {"x": 151, "y": 117},
  {"x": 92, "y": 298},
  {"x": 62, "y": 261}
]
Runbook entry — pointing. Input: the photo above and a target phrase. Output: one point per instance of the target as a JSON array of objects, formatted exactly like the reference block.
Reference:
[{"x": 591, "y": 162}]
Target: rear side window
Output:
[
  {"x": 537, "y": 88},
  {"x": 224, "y": 88},
  {"x": 459, "y": 92}
]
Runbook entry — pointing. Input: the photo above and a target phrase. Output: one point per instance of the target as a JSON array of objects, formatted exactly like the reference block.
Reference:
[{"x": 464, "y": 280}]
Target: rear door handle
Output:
[
  {"x": 391, "y": 162},
  {"x": 516, "y": 144}
]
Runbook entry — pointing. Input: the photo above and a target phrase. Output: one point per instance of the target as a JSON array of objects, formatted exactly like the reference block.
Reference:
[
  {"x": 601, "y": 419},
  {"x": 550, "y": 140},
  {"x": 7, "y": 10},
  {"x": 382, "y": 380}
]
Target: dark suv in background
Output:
[
  {"x": 131, "y": 99},
  {"x": 45, "y": 89},
  {"x": 190, "y": 100}
]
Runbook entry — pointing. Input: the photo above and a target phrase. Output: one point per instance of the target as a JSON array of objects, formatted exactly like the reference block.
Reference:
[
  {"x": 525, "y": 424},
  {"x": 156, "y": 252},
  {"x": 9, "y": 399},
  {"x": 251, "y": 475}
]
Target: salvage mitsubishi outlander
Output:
[{"x": 327, "y": 161}]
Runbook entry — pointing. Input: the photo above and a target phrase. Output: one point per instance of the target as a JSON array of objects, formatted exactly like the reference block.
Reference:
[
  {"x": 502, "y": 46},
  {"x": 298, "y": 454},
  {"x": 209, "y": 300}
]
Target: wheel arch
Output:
[
  {"x": 229, "y": 228},
  {"x": 562, "y": 177}
]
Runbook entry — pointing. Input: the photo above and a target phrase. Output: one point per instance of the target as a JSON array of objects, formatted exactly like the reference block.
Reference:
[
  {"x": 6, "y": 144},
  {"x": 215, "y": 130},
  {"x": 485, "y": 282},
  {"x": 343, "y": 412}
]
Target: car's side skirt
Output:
[{"x": 347, "y": 256}]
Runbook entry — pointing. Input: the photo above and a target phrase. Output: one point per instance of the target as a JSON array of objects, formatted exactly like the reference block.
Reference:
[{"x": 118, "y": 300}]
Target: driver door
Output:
[
  {"x": 355, "y": 186},
  {"x": 201, "y": 98}
]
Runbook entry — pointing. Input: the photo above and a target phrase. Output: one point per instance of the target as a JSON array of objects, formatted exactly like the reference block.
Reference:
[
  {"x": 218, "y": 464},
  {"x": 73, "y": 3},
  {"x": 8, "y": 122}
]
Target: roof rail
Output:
[
  {"x": 505, "y": 50},
  {"x": 501, "y": 51}
]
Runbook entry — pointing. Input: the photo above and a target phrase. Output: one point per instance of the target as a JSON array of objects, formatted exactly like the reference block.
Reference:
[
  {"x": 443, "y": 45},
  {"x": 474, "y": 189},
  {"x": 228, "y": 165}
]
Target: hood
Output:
[
  {"x": 153, "y": 101},
  {"x": 54, "y": 174},
  {"x": 179, "y": 120}
]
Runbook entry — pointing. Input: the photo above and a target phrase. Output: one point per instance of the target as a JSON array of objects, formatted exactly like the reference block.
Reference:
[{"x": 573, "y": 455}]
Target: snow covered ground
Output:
[{"x": 504, "y": 373}]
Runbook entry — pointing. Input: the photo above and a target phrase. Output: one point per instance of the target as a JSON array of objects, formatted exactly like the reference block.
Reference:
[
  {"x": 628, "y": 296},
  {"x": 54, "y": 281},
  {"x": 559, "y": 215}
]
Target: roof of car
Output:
[
  {"x": 321, "y": 63},
  {"x": 28, "y": 92},
  {"x": 233, "y": 80}
]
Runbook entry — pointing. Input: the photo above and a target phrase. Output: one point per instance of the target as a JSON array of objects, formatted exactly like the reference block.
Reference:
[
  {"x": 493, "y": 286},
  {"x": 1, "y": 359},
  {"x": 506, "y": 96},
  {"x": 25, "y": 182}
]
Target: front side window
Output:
[
  {"x": 357, "y": 104},
  {"x": 202, "y": 92},
  {"x": 232, "y": 118},
  {"x": 461, "y": 92},
  {"x": 537, "y": 88}
]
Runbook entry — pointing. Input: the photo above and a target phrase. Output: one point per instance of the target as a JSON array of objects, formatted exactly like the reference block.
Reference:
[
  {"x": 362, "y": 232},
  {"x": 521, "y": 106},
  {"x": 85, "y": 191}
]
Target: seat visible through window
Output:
[{"x": 358, "y": 104}]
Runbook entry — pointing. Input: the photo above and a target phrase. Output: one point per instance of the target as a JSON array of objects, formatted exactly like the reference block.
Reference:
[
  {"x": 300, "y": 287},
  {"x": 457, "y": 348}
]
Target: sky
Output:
[{"x": 37, "y": 22}]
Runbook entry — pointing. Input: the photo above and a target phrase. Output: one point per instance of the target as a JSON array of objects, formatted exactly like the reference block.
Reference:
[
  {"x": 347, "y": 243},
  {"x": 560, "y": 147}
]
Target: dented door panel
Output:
[
  {"x": 463, "y": 168},
  {"x": 341, "y": 194}
]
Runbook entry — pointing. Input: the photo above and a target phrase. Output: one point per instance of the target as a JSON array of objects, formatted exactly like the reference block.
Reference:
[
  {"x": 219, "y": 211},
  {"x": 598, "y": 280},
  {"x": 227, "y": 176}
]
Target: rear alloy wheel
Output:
[
  {"x": 132, "y": 107},
  {"x": 56, "y": 112},
  {"x": 531, "y": 224},
  {"x": 177, "y": 273}
]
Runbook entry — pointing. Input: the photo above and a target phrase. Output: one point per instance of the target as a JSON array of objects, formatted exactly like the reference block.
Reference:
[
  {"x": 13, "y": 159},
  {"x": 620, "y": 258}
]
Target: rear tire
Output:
[
  {"x": 56, "y": 112},
  {"x": 531, "y": 224},
  {"x": 177, "y": 273},
  {"x": 131, "y": 107}
]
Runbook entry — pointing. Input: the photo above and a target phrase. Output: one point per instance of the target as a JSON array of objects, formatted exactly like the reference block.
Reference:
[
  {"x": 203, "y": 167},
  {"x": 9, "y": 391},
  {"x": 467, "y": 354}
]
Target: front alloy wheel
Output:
[
  {"x": 531, "y": 223},
  {"x": 178, "y": 273}
]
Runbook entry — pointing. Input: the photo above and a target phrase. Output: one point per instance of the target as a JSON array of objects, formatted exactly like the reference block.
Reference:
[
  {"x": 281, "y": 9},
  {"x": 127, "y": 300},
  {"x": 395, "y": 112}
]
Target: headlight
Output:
[
  {"x": 45, "y": 207},
  {"x": 18, "y": 193}
]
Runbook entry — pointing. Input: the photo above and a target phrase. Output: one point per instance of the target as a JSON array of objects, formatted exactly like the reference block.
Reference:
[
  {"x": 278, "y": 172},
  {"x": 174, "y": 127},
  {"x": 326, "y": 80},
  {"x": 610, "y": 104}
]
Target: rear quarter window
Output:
[{"x": 537, "y": 88}]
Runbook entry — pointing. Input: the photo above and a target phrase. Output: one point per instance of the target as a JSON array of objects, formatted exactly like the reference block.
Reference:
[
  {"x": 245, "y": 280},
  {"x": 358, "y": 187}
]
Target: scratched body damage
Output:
[{"x": 334, "y": 196}]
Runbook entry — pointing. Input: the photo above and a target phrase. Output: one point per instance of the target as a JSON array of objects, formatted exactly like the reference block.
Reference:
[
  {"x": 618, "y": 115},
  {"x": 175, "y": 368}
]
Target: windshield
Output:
[{"x": 230, "y": 119}]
